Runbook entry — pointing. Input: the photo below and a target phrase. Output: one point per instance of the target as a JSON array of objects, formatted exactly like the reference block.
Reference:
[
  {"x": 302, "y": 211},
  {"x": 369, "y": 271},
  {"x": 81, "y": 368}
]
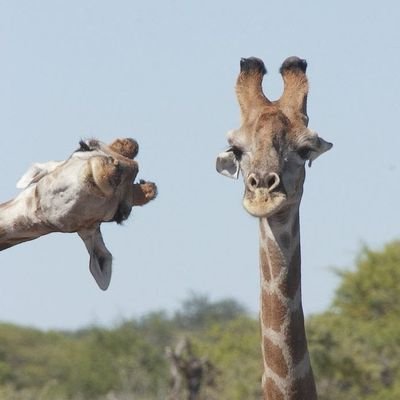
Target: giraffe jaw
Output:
[{"x": 260, "y": 203}]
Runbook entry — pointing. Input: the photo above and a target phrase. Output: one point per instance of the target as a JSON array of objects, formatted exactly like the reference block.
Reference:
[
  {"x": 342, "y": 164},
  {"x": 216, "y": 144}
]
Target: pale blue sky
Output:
[{"x": 164, "y": 73}]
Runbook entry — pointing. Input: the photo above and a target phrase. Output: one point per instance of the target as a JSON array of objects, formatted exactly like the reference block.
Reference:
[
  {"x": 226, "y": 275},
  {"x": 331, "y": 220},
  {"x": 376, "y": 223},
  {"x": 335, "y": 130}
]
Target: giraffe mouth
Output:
[{"x": 261, "y": 203}]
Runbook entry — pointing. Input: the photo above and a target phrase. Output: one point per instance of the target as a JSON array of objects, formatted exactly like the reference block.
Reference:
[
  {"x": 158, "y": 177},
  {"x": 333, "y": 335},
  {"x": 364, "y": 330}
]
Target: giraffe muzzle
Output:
[{"x": 262, "y": 202}]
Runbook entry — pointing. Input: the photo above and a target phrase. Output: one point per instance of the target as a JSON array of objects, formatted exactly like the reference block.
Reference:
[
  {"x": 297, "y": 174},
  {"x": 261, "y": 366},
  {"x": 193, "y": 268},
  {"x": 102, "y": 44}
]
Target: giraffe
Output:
[
  {"x": 94, "y": 185},
  {"x": 270, "y": 149},
  {"x": 186, "y": 367}
]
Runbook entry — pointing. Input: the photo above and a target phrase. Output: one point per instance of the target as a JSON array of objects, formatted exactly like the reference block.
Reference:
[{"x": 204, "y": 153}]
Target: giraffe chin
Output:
[{"x": 261, "y": 206}]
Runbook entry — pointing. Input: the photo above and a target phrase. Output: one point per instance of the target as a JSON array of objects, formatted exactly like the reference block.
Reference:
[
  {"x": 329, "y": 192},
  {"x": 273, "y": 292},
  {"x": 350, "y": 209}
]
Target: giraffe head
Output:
[
  {"x": 272, "y": 145},
  {"x": 94, "y": 185}
]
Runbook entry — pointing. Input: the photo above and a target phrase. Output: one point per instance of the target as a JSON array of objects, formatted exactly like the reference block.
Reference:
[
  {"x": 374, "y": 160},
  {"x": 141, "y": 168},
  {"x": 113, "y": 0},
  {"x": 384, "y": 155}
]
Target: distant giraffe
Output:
[
  {"x": 189, "y": 371},
  {"x": 94, "y": 185},
  {"x": 270, "y": 149}
]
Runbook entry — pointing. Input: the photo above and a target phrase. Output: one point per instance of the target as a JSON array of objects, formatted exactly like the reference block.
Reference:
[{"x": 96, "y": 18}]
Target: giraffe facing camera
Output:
[{"x": 270, "y": 150}]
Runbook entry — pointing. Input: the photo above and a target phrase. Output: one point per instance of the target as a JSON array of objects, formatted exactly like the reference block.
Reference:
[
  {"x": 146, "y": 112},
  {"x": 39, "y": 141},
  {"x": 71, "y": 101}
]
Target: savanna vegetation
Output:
[{"x": 354, "y": 345}]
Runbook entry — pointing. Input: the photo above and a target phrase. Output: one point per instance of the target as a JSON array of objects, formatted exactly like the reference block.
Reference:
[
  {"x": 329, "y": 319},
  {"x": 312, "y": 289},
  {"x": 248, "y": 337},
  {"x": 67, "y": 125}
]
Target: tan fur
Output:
[
  {"x": 272, "y": 391},
  {"x": 273, "y": 311},
  {"x": 265, "y": 269},
  {"x": 126, "y": 147},
  {"x": 277, "y": 361},
  {"x": 143, "y": 193},
  {"x": 249, "y": 94},
  {"x": 294, "y": 98},
  {"x": 94, "y": 185}
]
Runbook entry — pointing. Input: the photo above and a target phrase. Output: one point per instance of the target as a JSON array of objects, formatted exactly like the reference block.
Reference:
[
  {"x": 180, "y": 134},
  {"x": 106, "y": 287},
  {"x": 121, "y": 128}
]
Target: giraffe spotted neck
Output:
[
  {"x": 270, "y": 150},
  {"x": 287, "y": 369}
]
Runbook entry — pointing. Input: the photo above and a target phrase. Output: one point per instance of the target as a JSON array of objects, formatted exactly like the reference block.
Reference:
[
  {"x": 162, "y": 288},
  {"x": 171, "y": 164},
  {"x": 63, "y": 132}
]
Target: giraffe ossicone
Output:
[
  {"x": 94, "y": 185},
  {"x": 270, "y": 150}
]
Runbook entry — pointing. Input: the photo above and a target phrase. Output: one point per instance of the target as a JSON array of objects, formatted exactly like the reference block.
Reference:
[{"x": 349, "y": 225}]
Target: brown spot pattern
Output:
[
  {"x": 273, "y": 311},
  {"x": 264, "y": 265},
  {"x": 271, "y": 391},
  {"x": 262, "y": 231},
  {"x": 277, "y": 260},
  {"x": 274, "y": 357}
]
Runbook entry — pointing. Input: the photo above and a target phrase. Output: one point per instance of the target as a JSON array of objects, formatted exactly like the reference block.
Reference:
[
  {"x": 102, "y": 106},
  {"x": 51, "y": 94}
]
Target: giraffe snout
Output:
[{"x": 270, "y": 182}]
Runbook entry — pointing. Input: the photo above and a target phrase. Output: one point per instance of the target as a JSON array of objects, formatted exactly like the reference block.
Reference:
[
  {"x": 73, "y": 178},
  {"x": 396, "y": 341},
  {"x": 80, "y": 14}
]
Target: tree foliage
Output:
[
  {"x": 354, "y": 346},
  {"x": 198, "y": 312},
  {"x": 125, "y": 362}
]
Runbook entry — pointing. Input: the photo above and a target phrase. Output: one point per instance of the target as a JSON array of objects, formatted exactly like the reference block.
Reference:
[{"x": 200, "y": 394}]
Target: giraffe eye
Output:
[
  {"x": 304, "y": 152},
  {"x": 237, "y": 152}
]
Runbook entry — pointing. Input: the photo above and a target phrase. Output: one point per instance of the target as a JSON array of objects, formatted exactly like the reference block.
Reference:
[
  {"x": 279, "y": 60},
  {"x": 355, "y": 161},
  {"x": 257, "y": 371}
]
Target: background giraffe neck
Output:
[
  {"x": 287, "y": 369},
  {"x": 20, "y": 220}
]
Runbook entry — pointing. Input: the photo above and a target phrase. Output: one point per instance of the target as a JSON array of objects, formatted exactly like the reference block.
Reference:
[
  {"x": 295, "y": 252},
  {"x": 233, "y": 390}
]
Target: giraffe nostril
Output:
[
  {"x": 272, "y": 181},
  {"x": 252, "y": 181}
]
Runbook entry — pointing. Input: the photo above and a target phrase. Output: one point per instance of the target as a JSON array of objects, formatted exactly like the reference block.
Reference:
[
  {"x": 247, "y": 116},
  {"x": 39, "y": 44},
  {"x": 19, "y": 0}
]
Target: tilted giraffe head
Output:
[
  {"x": 94, "y": 185},
  {"x": 272, "y": 145}
]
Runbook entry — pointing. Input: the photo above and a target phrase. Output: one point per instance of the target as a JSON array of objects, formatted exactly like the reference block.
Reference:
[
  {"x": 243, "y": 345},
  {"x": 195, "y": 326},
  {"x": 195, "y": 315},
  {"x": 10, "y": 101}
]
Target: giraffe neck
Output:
[
  {"x": 20, "y": 220},
  {"x": 287, "y": 369}
]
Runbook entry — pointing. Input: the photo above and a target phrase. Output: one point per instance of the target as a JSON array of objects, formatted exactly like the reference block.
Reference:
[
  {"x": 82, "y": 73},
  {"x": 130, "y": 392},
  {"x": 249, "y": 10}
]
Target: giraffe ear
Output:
[
  {"x": 36, "y": 172},
  {"x": 321, "y": 148},
  {"x": 228, "y": 165},
  {"x": 100, "y": 263}
]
